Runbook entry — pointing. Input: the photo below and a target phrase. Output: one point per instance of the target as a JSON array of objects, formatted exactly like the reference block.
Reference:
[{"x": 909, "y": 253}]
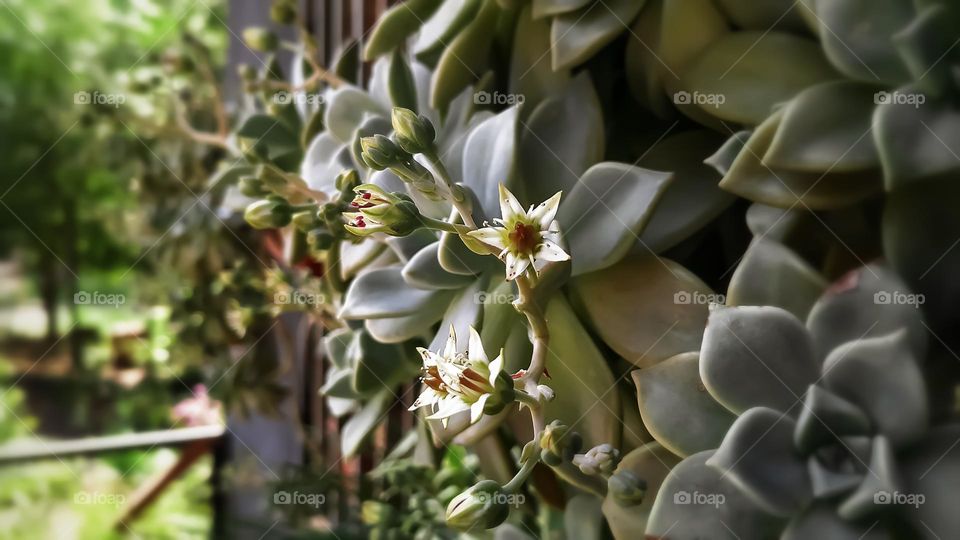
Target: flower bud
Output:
[
  {"x": 601, "y": 459},
  {"x": 251, "y": 186},
  {"x": 306, "y": 220},
  {"x": 504, "y": 393},
  {"x": 246, "y": 72},
  {"x": 380, "y": 153},
  {"x": 347, "y": 181},
  {"x": 283, "y": 11},
  {"x": 320, "y": 239},
  {"x": 268, "y": 214},
  {"x": 558, "y": 444},
  {"x": 546, "y": 393},
  {"x": 480, "y": 507},
  {"x": 415, "y": 133},
  {"x": 378, "y": 211},
  {"x": 260, "y": 39},
  {"x": 626, "y": 488}
]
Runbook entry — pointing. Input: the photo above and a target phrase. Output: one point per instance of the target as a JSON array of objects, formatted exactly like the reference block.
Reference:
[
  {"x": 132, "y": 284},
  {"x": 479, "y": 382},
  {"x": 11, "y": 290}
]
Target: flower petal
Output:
[
  {"x": 546, "y": 211},
  {"x": 450, "y": 349},
  {"x": 509, "y": 205},
  {"x": 549, "y": 251},
  {"x": 515, "y": 266},
  {"x": 475, "y": 351},
  {"x": 476, "y": 410},
  {"x": 492, "y": 236},
  {"x": 495, "y": 368}
]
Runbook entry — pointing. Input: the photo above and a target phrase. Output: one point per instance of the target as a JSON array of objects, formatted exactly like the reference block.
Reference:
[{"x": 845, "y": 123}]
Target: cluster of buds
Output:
[
  {"x": 415, "y": 133},
  {"x": 558, "y": 444},
  {"x": 380, "y": 152},
  {"x": 599, "y": 460},
  {"x": 375, "y": 210},
  {"x": 626, "y": 488}
]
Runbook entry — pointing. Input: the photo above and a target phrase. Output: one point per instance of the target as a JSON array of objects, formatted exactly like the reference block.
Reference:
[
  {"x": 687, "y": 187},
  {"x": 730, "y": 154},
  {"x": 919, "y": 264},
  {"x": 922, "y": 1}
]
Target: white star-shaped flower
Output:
[
  {"x": 525, "y": 238},
  {"x": 456, "y": 382}
]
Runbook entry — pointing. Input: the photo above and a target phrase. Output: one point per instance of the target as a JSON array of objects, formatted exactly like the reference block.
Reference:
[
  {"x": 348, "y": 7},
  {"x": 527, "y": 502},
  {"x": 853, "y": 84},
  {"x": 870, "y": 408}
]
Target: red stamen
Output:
[{"x": 524, "y": 238}]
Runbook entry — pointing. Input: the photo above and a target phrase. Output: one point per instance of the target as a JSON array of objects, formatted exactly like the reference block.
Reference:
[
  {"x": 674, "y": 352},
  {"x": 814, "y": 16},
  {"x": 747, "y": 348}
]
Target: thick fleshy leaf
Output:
[
  {"x": 723, "y": 158},
  {"x": 562, "y": 138},
  {"x": 335, "y": 345},
  {"x": 753, "y": 71},
  {"x": 645, "y": 308},
  {"x": 916, "y": 140},
  {"x": 465, "y": 59},
  {"x": 378, "y": 365},
  {"x": 489, "y": 159},
  {"x": 676, "y": 408},
  {"x": 927, "y": 211},
  {"x": 382, "y": 293},
  {"x": 586, "y": 398},
  {"x": 577, "y": 35},
  {"x": 545, "y": 8},
  {"x": 692, "y": 199},
  {"x": 645, "y": 69},
  {"x": 400, "y": 83},
  {"x": 634, "y": 434},
  {"x": 759, "y": 456},
  {"x": 881, "y": 375},
  {"x": 856, "y": 37},
  {"x": 688, "y": 27},
  {"x": 583, "y": 518},
  {"x": 346, "y": 109},
  {"x": 650, "y": 463},
  {"x": 531, "y": 75},
  {"x": 500, "y": 318},
  {"x": 926, "y": 46},
  {"x": 424, "y": 271},
  {"x": 397, "y": 24},
  {"x": 822, "y": 521},
  {"x": 757, "y": 356},
  {"x": 325, "y": 158},
  {"x": 440, "y": 29},
  {"x": 371, "y": 125},
  {"x": 882, "y": 477},
  {"x": 400, "y": 329},
  {"x": 869, "y": 301},
  {"x": 697, "y": 501},
  {"x": 749, "y": 15},
  {"x": 770, "y": 274},
  {"x": 363, "y": 422},
  {"x": 606, "y": 211},
  {"x": 464, "y": 312},
  {"x": 826, "y": 416},
  {"x": 751, "y": 179},
  {"x": 826, "y": 128},
  {"x": 933, "y": 470}
]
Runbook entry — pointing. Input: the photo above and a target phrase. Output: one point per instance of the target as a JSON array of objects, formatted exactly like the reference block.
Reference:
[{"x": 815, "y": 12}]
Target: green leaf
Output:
[
  {"x": 531, "y": 75},
  {"x": 916, "y": 140},
  {"x": 821, "y": 521},
  {"x": 723, "y": 158},
  {"x": 270, "y": 136},
  {"x": 645, "y": 308},
  {"x": 676, "y": 408},
  {"x": 826, "y": 128},
  {"x": 443, "y": 27},
  {"x": 750, "y": 72},
  {"x": 606, "y": 211},
  {"x": 692, "y": 199},
  {"x": 397, "y": 24},
  {"x": 377, "y": 365},
  {"x": 563, "y": 137},
  {"x": 325, "y": 158},
  {"x": 856, "y": 37},
  {"x": 749, "y": 15},
  {"x": 363, "y": 422},
  {"x": 466, "y": 58},
  {"x": 770, "y": 274},
  {"x": 546, "y": 8},
  {"x": 489, "y": 159},
  {"x": 759, "y": 456},
  {"x": 382, "y": 293},
  {"x": 400, "y": 83},
  {"x": 644, "y": 68},
  {"x": 583, "y": 518},
  {"x": 751, "y": 179},
  {"x": 465, "y": 311},
  {"x": 346, "y": 109},
  {"x": 400, "y": 329},
  {"x": 678, "y": 516},
  {"x": 650, "y": 463},
  {"x": 753, "y": 356},
  {"x": 578, "y": 35},
  {"x": 423, "y": 271},
  {"x": 933, "y": 469},
  {"x": 881, "y": 375}
]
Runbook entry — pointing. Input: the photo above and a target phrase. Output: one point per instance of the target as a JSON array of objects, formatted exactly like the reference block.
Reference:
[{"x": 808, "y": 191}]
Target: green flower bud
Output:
[
  {"x": 306, "y": 220},
  {"x": 251, "y": 186},
  {"x": 347, "y": 181},
  {"x": 601, "y": 459},
  {"x": 379, "y": 211},
  {"x": 504, "y": 393},
  {"x": 482, "y": 506},
  {"x": 246, "y": 72},
  {"x": 627, "y": 488},
  {"x": 260, "y": 39},
  {"x": 380, "y": 153},
  {"x": 283, "y": 12},
  {"x": 415, "y": 134},
  {"x": 558, "y": 443},
  {"x": 268, "y": 214}
]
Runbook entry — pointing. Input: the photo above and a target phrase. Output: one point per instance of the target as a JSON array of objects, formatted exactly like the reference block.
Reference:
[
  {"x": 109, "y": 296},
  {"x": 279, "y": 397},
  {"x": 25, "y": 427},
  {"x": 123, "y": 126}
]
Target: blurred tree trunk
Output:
[
  {"x": 49, "y": 291},
  {"x": 73, "y": 262}
]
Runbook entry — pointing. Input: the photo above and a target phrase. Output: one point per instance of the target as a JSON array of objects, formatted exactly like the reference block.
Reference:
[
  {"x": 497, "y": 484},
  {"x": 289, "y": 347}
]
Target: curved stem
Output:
[
  {"x": 517, "y": 481},
  {"x": 440, "y": 225},
  {"x": 456, "y": 196},
  {"x": 540, "y": 338},
  {"x": 332, "y": 272}
]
